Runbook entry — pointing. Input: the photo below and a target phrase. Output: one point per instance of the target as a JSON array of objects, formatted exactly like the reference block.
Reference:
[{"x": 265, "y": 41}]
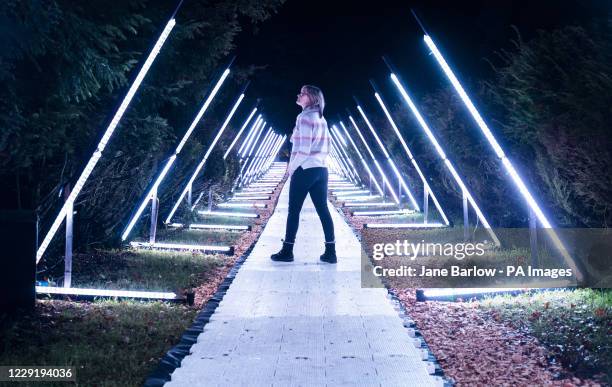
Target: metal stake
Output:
[
  {"x": 466, "y": 221},
  {"x": 69, "y": 235},
  {"x": 154, "y": 213}
]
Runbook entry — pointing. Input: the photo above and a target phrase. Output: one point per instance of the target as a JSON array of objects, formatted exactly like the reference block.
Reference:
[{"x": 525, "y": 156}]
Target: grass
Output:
[
  {"x": 576, "y": 326},
  {"x": 140, "y": 269},
  {"x": 110, "y": 343}
]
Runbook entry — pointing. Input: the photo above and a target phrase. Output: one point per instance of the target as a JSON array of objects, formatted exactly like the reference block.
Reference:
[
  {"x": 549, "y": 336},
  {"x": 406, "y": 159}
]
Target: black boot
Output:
[
  {"x": 285, "y": 254},
  {"x": 329, "y": 255}
]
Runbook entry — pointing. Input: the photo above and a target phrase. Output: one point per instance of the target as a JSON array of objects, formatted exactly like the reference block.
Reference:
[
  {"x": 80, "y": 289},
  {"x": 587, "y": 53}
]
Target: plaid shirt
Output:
[{"x": 310, "y": 141}]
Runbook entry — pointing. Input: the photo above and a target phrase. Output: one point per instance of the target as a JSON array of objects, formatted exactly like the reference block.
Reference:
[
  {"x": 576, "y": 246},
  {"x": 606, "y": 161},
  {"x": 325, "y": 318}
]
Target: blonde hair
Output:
[{"x": 316, "y": 97}]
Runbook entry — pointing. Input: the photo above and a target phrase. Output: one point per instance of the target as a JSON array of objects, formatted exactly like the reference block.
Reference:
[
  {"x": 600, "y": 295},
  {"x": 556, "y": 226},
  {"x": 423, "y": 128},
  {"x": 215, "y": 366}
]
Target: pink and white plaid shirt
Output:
[{"x": 310, "y": 141}]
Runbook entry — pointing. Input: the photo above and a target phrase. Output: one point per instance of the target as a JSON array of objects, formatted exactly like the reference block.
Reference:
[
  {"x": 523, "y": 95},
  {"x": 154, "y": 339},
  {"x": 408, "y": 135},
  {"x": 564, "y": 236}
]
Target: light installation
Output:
[
  {"x": 263, "y": 157},
  {"x": 205, "y": 158},
  {"x": 349, "y": 166},
  {"x": 242, "y": 205},
  {"x": 363, "y": 162},
  {"x": 404, "y": 225},
  {"x": 201, "y": 226},
  {"x": 518, "y": 182},
  {"x": 91, "y": 164},
  {"x": 229, "y": 214},
  {"x": 396, "y": 171},
  {"x": 442, "y": 155},
  {"x": 369, "y": 204},
  {"x": 378, "y": 167},
  {"x": 375, "y": 213},
  {"x": 271, "y": 157},
  {"x": 339, "y": 160},
  {"x": 252, "y": 161},
  {"x": 152, "y": 192},
  {"x": 411, "y": 157}
]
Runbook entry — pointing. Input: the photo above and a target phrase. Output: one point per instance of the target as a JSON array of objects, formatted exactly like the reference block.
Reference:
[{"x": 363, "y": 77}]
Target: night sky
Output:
[{"x": 338, "y": 45}]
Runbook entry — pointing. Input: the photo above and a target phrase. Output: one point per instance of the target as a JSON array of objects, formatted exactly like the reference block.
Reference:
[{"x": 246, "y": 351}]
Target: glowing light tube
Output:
[
  {"x": 250, "y": 198},
  {"x": 359, "y": 191},
  {"x": 378, "y": 167},
  {"x": 199, "y": 226},
  {"x": 181, "y": 246},
  {"x": 391, "y": 212},
  {"x": 242, "y": 205},
  {"x": 411, "y": 157},
  {"x": 404, "y": 225},
  {"x": 487, "y": 132},
  {"x": 361, "y": 158},
  {"x": 442, "y": 155},
  {"x": 249, "y": 136},
  {"x": 228, "y": 213},
  {"x": 246, "y": 122},
  {"x": 106, "y": 293},
  {"x": 369, "y": 204},
  {"x": 205, "y": 158},
  {"x": 251, "y": 193},
  {"x": 76, "y": 189},
  {"x": 358, "y": 197},
  {"x": 397, "y": 173}
]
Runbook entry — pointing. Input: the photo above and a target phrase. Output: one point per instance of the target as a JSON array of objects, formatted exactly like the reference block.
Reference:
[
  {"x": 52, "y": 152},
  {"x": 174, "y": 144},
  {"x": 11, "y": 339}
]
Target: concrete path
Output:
[{"x": 304, "y": 323}]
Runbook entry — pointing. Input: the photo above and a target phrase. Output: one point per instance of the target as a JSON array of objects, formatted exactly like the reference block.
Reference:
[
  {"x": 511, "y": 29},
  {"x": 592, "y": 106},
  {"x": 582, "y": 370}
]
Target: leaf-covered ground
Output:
[{"x": 560, "y": 338}]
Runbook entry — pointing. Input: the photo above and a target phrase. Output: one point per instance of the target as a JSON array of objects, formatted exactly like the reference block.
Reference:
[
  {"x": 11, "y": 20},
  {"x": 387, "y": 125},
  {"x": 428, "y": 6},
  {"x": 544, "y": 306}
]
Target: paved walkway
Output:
[{"x": 303, "y": 323}]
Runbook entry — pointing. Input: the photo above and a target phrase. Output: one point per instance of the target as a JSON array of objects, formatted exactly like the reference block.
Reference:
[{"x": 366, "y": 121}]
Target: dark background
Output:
[{"x": 338, "y": 45}]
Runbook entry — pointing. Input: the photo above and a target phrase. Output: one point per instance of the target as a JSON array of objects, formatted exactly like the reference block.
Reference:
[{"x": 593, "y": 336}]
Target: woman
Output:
[{"x": 308, "y": 171}]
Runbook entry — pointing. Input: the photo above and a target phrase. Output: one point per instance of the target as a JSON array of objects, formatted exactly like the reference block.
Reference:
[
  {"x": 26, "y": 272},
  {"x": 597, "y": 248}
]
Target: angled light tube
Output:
[
  {"x": 181, "y": 246},
  {"x": 246, "y": 122},
  {"x": 487, "y": 132},
  {"x": 397, "y": 173},
  {"x": 230, "y": 214},
  {"x": 205, "y": 158},
  {"x": 518, "y": 182},
  {"x": 442, "y": 155},
  {"x": 378, "y": 167},
  {"x": 251, "y": 193},
  {"x": 249, "y": 135},
  {"x": 411, "y": 157},
  {"x": 106, "y": 293},
  {"x": 363, "y": 162},
  {"x": 76, "y": 189}
]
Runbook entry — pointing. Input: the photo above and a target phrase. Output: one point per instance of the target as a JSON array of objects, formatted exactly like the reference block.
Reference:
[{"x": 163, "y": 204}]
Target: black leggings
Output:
[{"x": 304, "y": 181}]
